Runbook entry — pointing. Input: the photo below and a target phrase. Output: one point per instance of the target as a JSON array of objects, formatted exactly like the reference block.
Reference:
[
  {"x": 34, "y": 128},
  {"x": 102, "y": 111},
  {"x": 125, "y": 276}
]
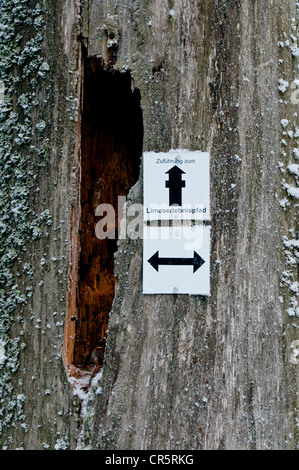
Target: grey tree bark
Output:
[{"x": 180, "y": 372}]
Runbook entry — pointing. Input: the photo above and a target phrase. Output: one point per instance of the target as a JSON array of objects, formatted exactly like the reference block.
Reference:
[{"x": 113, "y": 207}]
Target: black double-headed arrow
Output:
[{"x": 196, "y": 261}]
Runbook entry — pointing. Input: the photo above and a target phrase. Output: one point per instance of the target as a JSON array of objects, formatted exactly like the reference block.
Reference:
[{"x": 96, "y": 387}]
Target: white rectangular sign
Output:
[
  {"x": 176, "y": 185},
  {"x": 176, "y": 260}
]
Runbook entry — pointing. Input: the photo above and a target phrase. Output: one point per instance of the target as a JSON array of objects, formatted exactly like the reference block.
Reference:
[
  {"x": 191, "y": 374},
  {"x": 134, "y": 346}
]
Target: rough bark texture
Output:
[{"x": 180, "y": 372}]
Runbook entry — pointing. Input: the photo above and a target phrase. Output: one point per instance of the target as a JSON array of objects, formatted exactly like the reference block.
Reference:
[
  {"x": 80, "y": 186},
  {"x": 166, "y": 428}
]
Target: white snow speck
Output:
[
  {"x": 294, "y": 169},
  {"x": 294, "y": 287},
  {"x": 60, "y": 445},
  {"x": 295, "y": 51},
  {"x": 284, "y": 203},
  {"x": 2, "y": 352},
  {"x": 41, "y": 126},
  {"x": 283, "y": 85},
  {"x": 284, "y": 123},
  {"x": 2, "y": 92},
  {"x": 291, "y": 312},
  {"x": 296, "y": 154},
  {"x": 295, "y": 352},
  {"x": 292, "y": 191}
]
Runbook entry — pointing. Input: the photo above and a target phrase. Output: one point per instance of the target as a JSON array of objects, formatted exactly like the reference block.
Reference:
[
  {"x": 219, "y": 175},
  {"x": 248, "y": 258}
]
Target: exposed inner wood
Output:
[{"x": 112, "y": 135}]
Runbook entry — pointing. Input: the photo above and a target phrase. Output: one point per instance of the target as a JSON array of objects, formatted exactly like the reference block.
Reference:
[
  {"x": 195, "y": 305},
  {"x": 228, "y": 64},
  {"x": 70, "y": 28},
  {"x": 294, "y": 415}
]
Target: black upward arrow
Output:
[
  {"x": 175, "y": 185},
  {"x": 196, "y": 261}
]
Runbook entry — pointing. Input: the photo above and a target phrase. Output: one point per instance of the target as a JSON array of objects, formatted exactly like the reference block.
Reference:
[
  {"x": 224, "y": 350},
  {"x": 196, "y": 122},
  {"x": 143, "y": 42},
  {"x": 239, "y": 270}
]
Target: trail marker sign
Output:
[
  {"x": 176, "y": 260},
  {"x": 177, "y": 185}
]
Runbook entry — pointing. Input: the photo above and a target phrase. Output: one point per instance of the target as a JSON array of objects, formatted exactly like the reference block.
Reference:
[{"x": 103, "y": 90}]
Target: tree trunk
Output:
[{"x": 173, "y": 371}]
